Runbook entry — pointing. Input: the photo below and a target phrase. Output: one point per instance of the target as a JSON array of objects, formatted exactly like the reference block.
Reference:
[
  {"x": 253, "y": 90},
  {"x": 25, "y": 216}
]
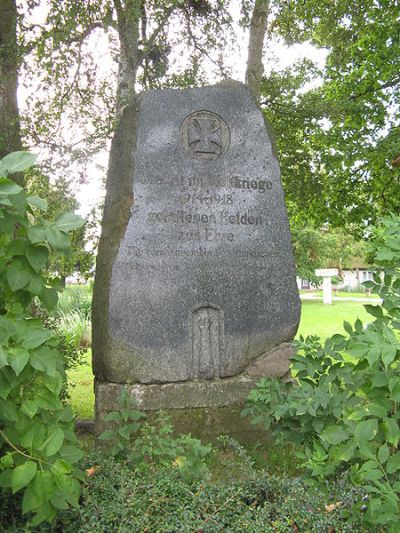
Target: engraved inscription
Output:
[
  {"x": 205, "y": 135},
  {"x": 207, "y": 341},
  {"x": 199, "y": 182}
]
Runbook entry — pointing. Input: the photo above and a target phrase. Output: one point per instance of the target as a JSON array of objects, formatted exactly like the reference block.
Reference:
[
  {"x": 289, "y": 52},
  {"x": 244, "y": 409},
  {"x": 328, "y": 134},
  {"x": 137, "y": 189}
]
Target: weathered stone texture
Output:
[{"x": 197, "y": 280}]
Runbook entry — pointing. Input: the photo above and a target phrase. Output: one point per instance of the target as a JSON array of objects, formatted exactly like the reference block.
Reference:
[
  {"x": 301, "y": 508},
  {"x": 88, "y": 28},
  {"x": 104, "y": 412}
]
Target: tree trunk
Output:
[
  {"x": 128, "y": 15},
  {"x": 10, "y": 133},
  {"x": 258, "y": 29}
]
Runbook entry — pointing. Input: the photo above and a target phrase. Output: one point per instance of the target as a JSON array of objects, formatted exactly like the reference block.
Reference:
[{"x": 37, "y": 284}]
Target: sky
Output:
[{"x": 91, "y": 192}]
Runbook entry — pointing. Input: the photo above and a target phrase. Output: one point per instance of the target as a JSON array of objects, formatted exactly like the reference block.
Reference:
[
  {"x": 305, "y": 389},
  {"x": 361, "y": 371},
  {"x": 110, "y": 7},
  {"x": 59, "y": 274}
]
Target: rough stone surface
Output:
[
  {"x": 204, "y": 409},
  {"x": 195, "y": 280},
  {"x": 274, "y": 364}
]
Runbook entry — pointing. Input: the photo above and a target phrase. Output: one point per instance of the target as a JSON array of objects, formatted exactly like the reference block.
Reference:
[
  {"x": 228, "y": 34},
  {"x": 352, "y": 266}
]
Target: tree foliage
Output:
[{"x": 340, "y": 142}]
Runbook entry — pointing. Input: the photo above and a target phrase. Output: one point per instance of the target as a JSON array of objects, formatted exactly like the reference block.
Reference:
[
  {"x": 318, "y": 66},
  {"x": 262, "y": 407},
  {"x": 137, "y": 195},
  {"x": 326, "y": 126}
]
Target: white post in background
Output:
[{"x": 327, "y": 275}]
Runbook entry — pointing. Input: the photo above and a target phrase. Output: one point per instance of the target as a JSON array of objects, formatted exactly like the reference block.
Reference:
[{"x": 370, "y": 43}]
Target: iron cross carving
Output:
[{"x": 205, "y": 135}]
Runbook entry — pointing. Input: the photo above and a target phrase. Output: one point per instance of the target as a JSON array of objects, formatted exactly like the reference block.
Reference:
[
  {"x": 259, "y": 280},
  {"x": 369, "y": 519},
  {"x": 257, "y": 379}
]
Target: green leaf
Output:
[
  {"x": 36, "y": 234},
  {"x": 18, "y": 161},
  {"x": 49, "y": 298},
  {"x": 392, "y": 431},
  {"x": 30, "y": 408},
  {"x": 57, "y": 239},
  {"x": 37, "y": 256},
  {"x": 8, "y": 410},
  {"x": 67, "y": 414},
  {"x": 114, "y": 416},
  {"x": 44, "y": 359},
  {"x": 347, "y": 327},
  {"x": 22, "y": 475},
  {"x": 31, "y": 500},
  {"x": 68, "y": 222},
  {"x": 337, "y": 339},
  {"x": 17, "y": 247},
  {"x": 9, "y": 187},
  {"x": 71, "y": 454},
  {"x": 383, "y": 454},
  {"x": 107, "y": 435},
  {"x": 372, "y": 475},
  {"x": 388, "y": 354},
  {"x": 393, "y": 463},
  {"x": 374, "y": 310},
  {"x": 3, "y": 358},
  {"x": 380, "y": 380},
  {"x": 19, "y": 361},
  {"x": 358, "y": 325},
  {"x": 18, "y": 276},
  {"x": 395, "y": 394},
  {"x": 54, "y": 442},
  {"x": 366, "y": 430},
  {"x": 38, "y": 202},
  {"x": 37, "y": 336},
  {"x": 334, "y": 435},
  {"x": 377, "y": 410}
]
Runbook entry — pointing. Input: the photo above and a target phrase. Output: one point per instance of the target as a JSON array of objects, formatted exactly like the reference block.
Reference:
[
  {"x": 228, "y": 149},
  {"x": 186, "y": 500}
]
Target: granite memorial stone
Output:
[{"x": 195, "y": 282}]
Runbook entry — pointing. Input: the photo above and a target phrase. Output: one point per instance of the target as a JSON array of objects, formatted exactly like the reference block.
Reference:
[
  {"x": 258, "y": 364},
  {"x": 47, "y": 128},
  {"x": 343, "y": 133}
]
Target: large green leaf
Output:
[
  {"x": 57, "y": 239},
  {"x": 18, "y": 276},
  {"x": 38, "y": 202},
  {"x": 37, "y": 256},
  {"x": 49, "y": 298},
  {"x": 22, "y": 475},
  {"x": 71, "y": 453},
  {"x": 54, "y": 441},
  {"x": 392, "y": 432},
  {"x": 8, "y": 410},
  {"x": 68, "y": 222},
  {"x": 334, "y": 434},
  {"x": 19, "y": 360},
  {"x": 393, "y": 463},
  {"x": 36, "y": 337},
  {"x": 18, "y": 161},
  {"x": 36, "y": 234},
  {"x": 366, "y": 430},
  {"x": 30, "y": 408},
  {"x": 8, "y": 187},
  {"x": 44, "y": 360}
]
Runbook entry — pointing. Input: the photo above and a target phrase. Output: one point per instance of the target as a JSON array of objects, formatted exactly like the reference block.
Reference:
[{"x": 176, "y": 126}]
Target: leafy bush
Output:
[
  {"x": 37, "y": 442},
  {"x": 342, "y": 405},
  {"x": 116, "y": 499},
  {"x": 153, "y": 444}
]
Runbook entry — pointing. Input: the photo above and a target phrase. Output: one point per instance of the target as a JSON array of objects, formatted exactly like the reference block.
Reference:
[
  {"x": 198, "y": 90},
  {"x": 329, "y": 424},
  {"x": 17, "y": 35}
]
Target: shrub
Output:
[
  {"x": 37, "y": 442},
  {"x": 162, "y": 500},
  {"x": 342, "y": 405},
  {"x": 153, "y": 444}
]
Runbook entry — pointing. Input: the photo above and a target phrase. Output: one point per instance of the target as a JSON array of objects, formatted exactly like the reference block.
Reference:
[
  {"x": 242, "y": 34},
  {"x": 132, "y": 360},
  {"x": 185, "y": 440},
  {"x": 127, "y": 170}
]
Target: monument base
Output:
[{"x": 205, "y": 408}]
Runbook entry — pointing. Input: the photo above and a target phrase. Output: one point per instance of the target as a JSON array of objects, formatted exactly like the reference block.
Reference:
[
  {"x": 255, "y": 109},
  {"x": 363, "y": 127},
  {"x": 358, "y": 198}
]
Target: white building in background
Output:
[{"x": 351, "y": 280}]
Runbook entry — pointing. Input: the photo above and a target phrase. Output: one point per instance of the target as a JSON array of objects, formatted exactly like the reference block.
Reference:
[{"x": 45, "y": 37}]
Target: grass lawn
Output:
[
  {"x": 316, "y": 319},
  {"x": 326, "y": 320},
  {"x": 81, "y": 390}
]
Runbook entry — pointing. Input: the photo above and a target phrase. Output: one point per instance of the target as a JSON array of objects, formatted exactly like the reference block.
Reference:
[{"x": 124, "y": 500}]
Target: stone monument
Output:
[{"x": 195, "y": 294}]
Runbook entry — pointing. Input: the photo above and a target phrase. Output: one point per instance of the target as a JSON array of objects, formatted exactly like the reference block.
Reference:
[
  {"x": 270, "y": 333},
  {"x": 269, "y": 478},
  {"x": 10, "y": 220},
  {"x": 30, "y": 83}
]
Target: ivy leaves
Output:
[{"x": 37, "y": 444}]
